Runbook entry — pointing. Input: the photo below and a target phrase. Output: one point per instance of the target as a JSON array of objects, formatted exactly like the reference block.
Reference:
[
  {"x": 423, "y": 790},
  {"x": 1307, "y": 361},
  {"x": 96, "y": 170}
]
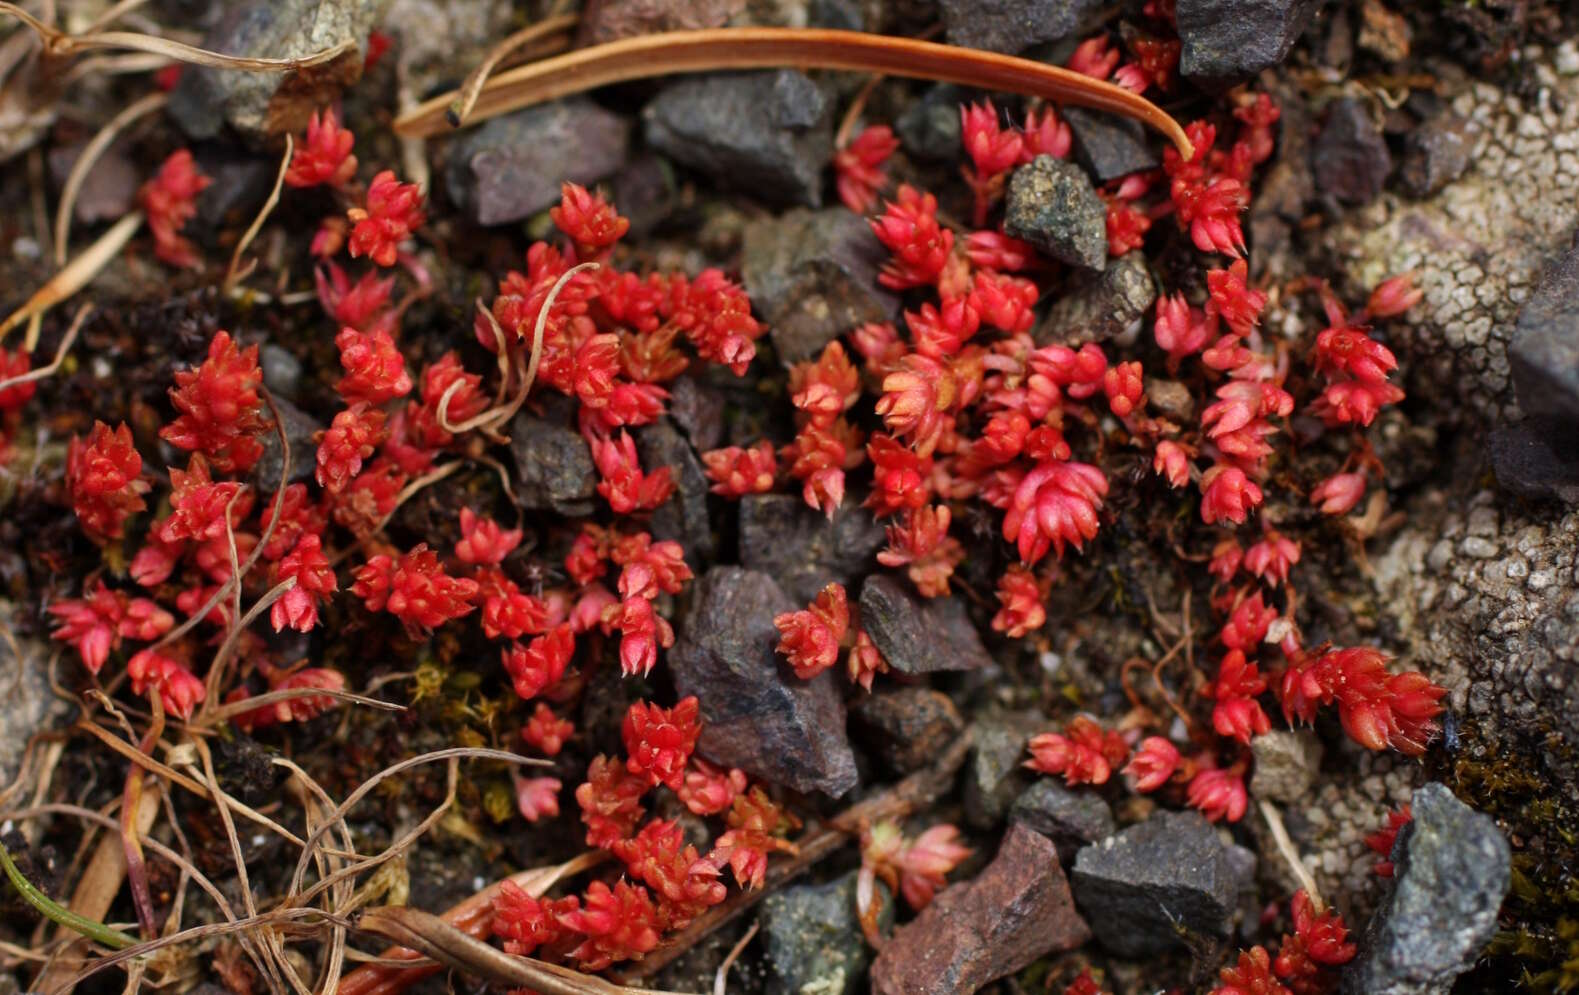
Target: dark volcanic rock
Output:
[
  {"x": 1052, "y": 205},
  {"x": 1145, "y": 888},
  {"x": 1016, "y": 910},
  {"x": 801, "y": 548},
  {"x": 1071, "y": 819},
  {"x": 813, "y": 941},
  {"x": 261, "y": 104},
  {"x": 769, "y": 133},
  {"x": 1545, "y": 349},
  {"x": 610, "y": 20},
  {"x": 1232, "y": 39},
  {"x": 241, "y": 185},
  {"x": 1109, "y": 146},
  {"x": 1349, "y": 159},
  {"x": 1436, "y": 153},
  {"x": 282, "y": 371},
  {"x": 684, "y": 516},
  {"x": 553, "y": 466},
  {"x": 930, "y": 127},
  {"x": 916, "y": 635},
  {"x": 994, "y": 771},
  {"x": 699, "y": 411},
  {"x": 1015, "y": 25},
  {"x": 1452, "y": 869},
  {"x": 645, "y": 191},
  {"x": 1537, "y": 459},
  {"x": 908, "y": 727},
  {"x": 812, "y": 276},
  {"x": 511, "y": 167},
  {"x": 756, "y": 714},
  {"x": 1103, "y": 308},
  {"x": 300, "y": 429}
]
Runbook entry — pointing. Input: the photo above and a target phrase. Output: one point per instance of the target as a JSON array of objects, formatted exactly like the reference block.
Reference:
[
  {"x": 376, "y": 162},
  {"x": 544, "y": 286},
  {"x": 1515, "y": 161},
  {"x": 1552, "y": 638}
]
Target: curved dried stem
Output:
[
  {"x": 235, "y": 274},
  {"x": 466, "y": 97},
  {"x": 765, "y": 48},
  {"x": 45, "y": 372},
  {"x": 59, "y": 43},
  {"x": 90, "y": 156},
  {"x": 235, "y": 708},
  {"x": 1285, "y": 847}
]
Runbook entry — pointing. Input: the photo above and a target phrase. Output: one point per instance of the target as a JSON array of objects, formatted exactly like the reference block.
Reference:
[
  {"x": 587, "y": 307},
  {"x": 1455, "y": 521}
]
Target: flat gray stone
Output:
[
  {"x": 919, "y": 635},
  {"x": 1105, "y": 308},
  {"x": 1235, "y": 39},
  {"x": 1052, "y": 205},
  {"x": 801, "y": 548},
  {"x": 1015, "y": 25}
]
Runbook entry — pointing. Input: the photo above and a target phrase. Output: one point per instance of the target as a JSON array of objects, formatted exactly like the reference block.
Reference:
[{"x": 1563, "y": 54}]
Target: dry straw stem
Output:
[
  {"x": 60, "y": 43},
  {"x": 236, "y": 273},
  {"x": 467, "y": 95},
  {"x": 765, "y": 48},
  {"x": 90, "y": 156},
  {"x": 76, "y": 274}
]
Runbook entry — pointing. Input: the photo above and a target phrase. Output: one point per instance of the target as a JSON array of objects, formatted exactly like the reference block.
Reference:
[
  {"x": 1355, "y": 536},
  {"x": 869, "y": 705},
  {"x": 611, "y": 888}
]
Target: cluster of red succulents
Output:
[
  {"x": 1304, "y": 961},
  {"x": 169, "y": 200}
]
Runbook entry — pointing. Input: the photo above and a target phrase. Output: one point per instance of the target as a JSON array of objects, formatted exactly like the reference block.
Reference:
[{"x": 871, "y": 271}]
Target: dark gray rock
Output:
[
  {"x": 769, "y": 133},
  {"x": 1146, "y": 888},
  {"x": 1544, "y": 353},
  {"x": 812, "y": 275},
  {"x": 1052, "y": 205},
  {"x": 511, "y": 167},
  {"x": 110, "y": 188},
  {"x": 683, "y": 517},
  {"x": 916, "y": 635},
  {"x": 1104, "y": 308},
  {"x": 645, "y": 192},
  {"x": 553, "y": 467},
  {"x": 1109, "y": 146},
  {"x": 1436, "y": 153},
  {"x": 31, "y": 704},
  {"x": 1349, "y": 159},
  {"x": 1287, "y": 762},
  {"x": 801, "y": 548},
  {"x": 1014, "y": 912},
  {"x": 844, "y": 15},
  {"x": 282, "y": 371},
  {"x": 813, "y": 941},
  {"x": 1013, "y": 26},
  {"x": 1452, "y": 869},
  {"x": 1537, "y": 459},
  {"x": 994, "y": 771},
  {"x": 930, "y": 127},
  {"x": 301, "y": 429},
  {"x": 1071, "y": 819},
  {"x": 699, "y": 411},
  {"x": 257, "y": 105},
  {"x": 908, "y": 728},
  {"x": 1233, "y": 39},
  {"x": 241, "y": 185},
  {"x": 610, "y": 20},
  {"x": 756, "y": 714}
]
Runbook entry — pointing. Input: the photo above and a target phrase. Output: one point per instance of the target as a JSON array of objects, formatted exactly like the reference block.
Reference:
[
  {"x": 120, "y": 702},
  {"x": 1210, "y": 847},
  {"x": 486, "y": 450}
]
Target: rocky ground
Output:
[{"x": 1440, "y": 139}]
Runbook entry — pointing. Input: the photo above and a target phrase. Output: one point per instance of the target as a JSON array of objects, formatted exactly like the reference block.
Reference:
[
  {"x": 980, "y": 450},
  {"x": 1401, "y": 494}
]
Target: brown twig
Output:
[
  {"x": 673, "y": 52},
  {"x": 466, "y": 97},
  {"x": 235, "y": 273},
  {"x": 90, "y": 156}
]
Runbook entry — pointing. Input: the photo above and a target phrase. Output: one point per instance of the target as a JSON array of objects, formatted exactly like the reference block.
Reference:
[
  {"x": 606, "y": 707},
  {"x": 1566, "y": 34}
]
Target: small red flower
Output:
[
  {"x": 623, "y": 484},
  {"x": 1232, "y": 299},
  {"x": 309, "y": 567},
  {"x": 1394, "y": 296},
  {"x": 1377, "y": 708},
  {"x": 538, "y": 666},
  {"x": 1237, "y": 714},
  {"x": 810, "y": 638},
  {"x": 299, "y": 709},
  {"x": 537, "y": 797},
  {"x": 1153, "y": 764},
  {"x": 179, "y": 691},
  {"x": 1171, "y": 461},
  {"x": 198, "y": 505},
  {"x": 547, "y": 732},
  {"x": 483, "y": 541},
  {"x": 736, "y": 472},
  {"x": 221, "y": 412},
  {"x": 95, "y": 624},
  {"x": 526, "y": 923},
  {"x": 920, "y": 542},
  {"x": 651, "y": 567},
  {"x": 1271, "y": 558},
  {"x": 1084, "y": 753},
  {"x": 1339, "y": 493},
  {"x": 415, "y": 589},
  {"x": 1055, "y": 504},
  {"x": 1181, "y": 330},
  {"x": 1020, "y": 598},
  {"x": 920, "y": 246},
  {"x": 589, "y": 220},
  {"x": 618, "y": 924},
  {"x": 709, "y": 790},
  {"x": 1219, "y": 793},
  {"x": 685, "y": 884},
  {"x": 393, "y": 211},
  {"x": 1227, "y": 494},
  {"x": 610, "y": 801},
  {"x": 1381, "y": 842},
  {"x": 375, "y": 371},
  {"x": 1251, "y": 975},
  {"x": 1125, "y": 388},
  {"x": 1094, "y": 58},
  {"x": 169, "y": 200},
  {"x": 13, "y": 365},
  {"x": 325, "y": 154},
  {"x": 754, "y": 821},
  {"x": 659, "y": 741},
  {"x": 642, "y": 632},
  {"x": 1320, "y": 939},
  {"x": 363, "y": 305},
  {"x": 858, "y": 167},
  {"x": 103, "y": 480},
  {"x": 715, "y": 315},
  {"x": 351, "y": 438}
]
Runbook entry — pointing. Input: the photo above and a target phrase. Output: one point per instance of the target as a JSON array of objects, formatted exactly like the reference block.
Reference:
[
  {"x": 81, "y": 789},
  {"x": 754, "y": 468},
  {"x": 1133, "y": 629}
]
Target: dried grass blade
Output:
[
  {"x": 764, "y": 48},
  {"x": 76, "y": 273},
  {"x": 90, "y": 156},
  {"x": 467, "y": 95}
]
